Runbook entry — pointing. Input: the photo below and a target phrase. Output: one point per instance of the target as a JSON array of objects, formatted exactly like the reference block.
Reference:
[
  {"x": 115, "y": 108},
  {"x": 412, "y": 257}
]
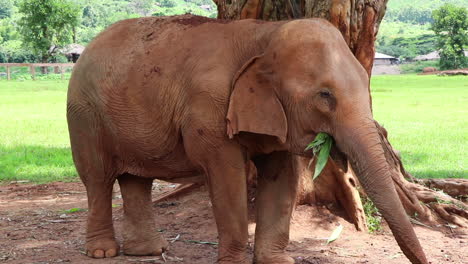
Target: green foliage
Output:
[
  {"x": 6, "y": 8},
  {"x": 47, "y": 23},
  {"x": 418, "y": 66},
  {"x": 13, "y": 51},
  {"x": 175, "y": 7},
  {"x": 373, "y": 217},
  {"x": 407, "y": 47},
  {"x": 405, "y": 31},
  {"x": 405, "y": 11},
  {"x": 409, "y": 14},
  {"x": 74, "y": 210},
  {"x": 451, "y": 28},
  {"x": 8, "y": 30},
  {"x": 44, "y": 25},
  {"x": 322, "y": 145},
  {"x": 142, "y": 7}
]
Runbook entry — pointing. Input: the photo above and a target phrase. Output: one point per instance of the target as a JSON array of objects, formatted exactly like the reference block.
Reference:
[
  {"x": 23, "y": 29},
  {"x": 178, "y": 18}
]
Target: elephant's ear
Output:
[{"x": 254, "y": 106}]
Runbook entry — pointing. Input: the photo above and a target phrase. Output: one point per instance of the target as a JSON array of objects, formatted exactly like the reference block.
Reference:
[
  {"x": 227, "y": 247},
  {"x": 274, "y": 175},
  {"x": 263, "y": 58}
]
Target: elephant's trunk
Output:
[{"x": 365, "y": 152}]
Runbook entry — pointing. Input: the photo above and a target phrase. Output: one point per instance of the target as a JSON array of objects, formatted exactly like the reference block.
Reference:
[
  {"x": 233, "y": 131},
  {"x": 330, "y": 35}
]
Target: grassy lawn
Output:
[
  {"x": 427, "y": 120},
  {"x": 34, "y": 142},
  {"x": 426, "y": 117}
]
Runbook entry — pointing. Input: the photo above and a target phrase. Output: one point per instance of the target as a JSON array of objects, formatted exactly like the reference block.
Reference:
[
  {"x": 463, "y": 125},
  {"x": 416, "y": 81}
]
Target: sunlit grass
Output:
[
  {"x": 34, "y": 142},
  {"x": 426, "y": 117}
]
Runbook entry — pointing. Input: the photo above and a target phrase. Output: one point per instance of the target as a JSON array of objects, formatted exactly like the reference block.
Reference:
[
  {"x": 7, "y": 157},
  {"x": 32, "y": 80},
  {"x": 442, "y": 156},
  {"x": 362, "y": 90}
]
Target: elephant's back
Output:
[{"x": 138, "y": 76}]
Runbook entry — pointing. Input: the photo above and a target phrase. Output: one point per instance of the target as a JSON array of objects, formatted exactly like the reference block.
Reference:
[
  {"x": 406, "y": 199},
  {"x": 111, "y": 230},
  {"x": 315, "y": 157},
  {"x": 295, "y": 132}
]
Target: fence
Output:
[{"x": 59, "y": 67}]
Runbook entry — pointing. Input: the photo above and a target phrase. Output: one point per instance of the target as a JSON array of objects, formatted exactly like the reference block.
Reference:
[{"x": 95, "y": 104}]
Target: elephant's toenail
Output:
[
  {"x": 99, "y": 253},
  {"x": 111, "y": 253}
]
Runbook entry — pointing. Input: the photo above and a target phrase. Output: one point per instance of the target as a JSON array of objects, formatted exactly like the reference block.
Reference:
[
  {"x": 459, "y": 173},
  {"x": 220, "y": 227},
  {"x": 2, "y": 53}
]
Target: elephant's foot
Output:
[
  {"x": 149, "y": 247},
  {"x": 275, "y": 259},
  {"x": 238, "y": 260},
  {"x": 233, "y": 252},
  {"x": 102, "y": 248}
]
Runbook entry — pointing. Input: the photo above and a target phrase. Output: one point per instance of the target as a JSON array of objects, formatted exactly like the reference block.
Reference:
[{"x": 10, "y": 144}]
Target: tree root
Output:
[
  {"x": 332, "y": 186},
  {"x": 451, "y": 214},
  {"x": 452, "y": 187},
  {"x": 420, "y": 202}
]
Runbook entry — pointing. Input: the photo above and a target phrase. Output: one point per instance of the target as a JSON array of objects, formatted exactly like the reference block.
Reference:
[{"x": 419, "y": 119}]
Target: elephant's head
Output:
[{"x": 307, "y": 81}]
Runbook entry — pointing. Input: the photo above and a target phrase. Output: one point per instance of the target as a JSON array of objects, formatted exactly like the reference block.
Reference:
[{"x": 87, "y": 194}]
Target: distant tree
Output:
[
  {"x": 47, "y": 23},
  {"x": 451, "y": 27},
  {"x": 142, "y": 7},
  {"x": 6, "y": 7}
]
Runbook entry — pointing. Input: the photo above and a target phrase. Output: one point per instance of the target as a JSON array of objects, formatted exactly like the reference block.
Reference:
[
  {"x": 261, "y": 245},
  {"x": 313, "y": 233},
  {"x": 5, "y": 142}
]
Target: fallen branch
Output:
[{"x": 181, "y": 189}]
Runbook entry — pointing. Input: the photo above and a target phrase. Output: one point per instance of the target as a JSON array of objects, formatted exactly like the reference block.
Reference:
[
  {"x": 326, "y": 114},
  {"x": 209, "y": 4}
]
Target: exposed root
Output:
[
  {"x": 332, "y": 186},
  {"x": 351, "y": 200},
  {"x": 449, "y": 213},
  {"x": 452, "y": 187}
]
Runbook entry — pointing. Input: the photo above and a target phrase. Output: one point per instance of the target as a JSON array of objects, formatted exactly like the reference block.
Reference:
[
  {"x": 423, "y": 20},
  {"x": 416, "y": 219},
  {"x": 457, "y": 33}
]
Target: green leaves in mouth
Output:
[{"x": 321, "y": 147}]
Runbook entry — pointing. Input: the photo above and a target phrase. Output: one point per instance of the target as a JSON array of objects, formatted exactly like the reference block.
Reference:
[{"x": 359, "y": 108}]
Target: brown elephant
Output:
[{"x": 169, "y": 98}]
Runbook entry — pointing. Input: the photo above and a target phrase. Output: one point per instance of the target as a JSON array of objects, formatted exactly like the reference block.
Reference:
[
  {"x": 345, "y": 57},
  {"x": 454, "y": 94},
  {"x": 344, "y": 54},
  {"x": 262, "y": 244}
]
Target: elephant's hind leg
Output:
[
  {"x": 140, "y": 237},
  {"x": 100, "y": 238},
  {"x": 98, "y": 175}
]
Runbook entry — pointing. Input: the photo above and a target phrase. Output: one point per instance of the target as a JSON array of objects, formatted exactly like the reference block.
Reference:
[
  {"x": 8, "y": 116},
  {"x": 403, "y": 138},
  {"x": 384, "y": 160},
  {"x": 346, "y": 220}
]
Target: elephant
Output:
[{"x": 172, "y": 97}]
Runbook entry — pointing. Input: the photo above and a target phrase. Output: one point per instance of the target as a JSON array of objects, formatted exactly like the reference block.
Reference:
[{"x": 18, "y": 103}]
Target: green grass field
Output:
[
  {"x": 426, "y": 117},
  {"x": 34, "y": 142},
  {"x": 427, "y": 120}
]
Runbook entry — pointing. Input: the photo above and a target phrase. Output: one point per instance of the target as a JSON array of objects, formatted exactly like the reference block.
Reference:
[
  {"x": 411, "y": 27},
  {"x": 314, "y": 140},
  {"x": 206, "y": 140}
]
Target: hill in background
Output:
[{"x": 405, "y": 31}]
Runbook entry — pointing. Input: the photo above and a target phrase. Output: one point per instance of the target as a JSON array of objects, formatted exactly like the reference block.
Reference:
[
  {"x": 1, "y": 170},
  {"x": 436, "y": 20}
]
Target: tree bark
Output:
[{"x": 358, "y": 21}]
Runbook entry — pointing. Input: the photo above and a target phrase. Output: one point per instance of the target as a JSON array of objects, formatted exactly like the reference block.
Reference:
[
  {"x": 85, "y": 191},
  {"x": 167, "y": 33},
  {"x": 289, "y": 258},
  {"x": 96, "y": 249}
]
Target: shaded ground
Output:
[{"x": 35, "y": 229}]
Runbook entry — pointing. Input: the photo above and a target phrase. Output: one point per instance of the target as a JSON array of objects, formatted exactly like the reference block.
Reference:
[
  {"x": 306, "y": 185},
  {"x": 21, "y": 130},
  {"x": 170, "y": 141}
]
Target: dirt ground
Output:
[
  {"x": 34, "y": 228},
  {"x": 386, "y": 69}
]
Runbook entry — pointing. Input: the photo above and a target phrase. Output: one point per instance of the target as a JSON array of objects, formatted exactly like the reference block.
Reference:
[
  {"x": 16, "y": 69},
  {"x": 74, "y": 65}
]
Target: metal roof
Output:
[{"x": 382, "y": 56}]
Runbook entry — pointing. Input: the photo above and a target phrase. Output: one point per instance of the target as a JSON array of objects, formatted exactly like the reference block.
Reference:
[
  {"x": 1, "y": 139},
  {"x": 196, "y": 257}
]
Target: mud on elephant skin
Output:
[{"x": 169, "y": 98}]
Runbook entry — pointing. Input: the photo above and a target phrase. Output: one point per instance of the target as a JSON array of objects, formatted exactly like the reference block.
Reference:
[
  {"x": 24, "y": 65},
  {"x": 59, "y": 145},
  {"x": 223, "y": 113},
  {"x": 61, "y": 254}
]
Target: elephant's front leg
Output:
[
  {"x": 276, "y": 193},
  {"x": 226, "y": 176}
]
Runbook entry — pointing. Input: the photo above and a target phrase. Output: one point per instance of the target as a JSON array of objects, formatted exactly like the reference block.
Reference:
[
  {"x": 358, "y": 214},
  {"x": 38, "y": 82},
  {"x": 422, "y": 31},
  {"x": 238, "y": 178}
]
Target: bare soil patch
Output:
[{"x": 34, "y": 228}]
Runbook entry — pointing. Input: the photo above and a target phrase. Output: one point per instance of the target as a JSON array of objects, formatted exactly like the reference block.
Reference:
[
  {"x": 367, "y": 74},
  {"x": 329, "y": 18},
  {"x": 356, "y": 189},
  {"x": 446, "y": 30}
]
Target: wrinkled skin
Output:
[{"x": 169, "y": 98}]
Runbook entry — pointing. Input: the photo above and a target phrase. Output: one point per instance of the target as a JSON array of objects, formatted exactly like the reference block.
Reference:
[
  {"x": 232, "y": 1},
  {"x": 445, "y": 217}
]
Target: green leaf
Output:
[
  {"x": 74, "y": 210},
  {"x": 322, "y": 157},
  {"x": 335, "y": 234},
  {"x": 318, "y": 141},
  {"x": 321, "y": 145}
]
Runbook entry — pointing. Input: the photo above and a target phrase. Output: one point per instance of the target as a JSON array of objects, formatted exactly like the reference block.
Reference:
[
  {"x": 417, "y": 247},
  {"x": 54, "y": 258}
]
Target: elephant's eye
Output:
[{"x": 325, "y": 94}]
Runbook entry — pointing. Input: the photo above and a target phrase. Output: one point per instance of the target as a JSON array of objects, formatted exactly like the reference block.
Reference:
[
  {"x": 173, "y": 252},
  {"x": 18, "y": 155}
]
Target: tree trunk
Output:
[
  {"x": 44, "y": 59},
  {"x": 358, "y": 21}
]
